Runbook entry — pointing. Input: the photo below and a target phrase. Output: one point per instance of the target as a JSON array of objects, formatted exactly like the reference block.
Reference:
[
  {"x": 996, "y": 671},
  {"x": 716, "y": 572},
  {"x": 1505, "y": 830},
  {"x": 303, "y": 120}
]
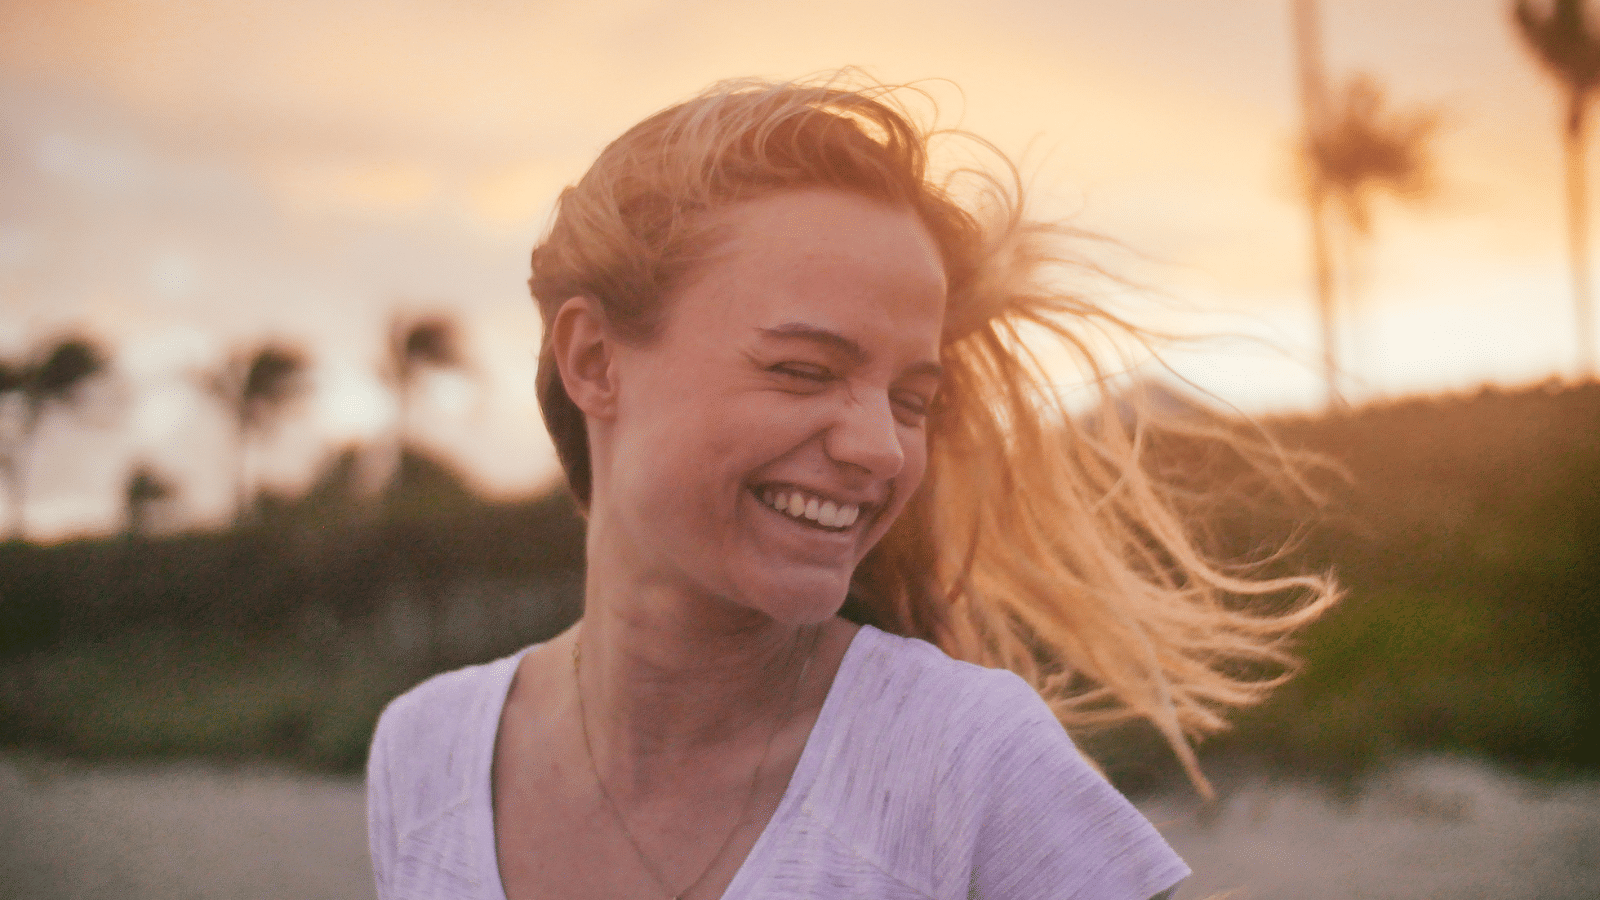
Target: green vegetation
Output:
[
  {"x": 1468, "y": 537},
  {"x": 215, "y": 694},
  {"x": 282, "y": 639},
  {"x": 1471, "y": 545}
]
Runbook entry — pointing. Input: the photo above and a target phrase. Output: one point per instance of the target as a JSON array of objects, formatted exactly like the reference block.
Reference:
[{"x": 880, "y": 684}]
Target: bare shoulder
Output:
[
  {"x": 529, "y": 727},
  {"x": 541, "y": 675}
]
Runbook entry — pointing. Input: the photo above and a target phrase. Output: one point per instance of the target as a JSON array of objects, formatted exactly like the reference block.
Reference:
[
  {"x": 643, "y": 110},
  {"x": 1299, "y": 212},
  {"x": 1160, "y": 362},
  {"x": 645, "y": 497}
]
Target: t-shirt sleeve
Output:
[
  {"x": 1053, "y": 827},
  {"x": 381, "y": 836}
]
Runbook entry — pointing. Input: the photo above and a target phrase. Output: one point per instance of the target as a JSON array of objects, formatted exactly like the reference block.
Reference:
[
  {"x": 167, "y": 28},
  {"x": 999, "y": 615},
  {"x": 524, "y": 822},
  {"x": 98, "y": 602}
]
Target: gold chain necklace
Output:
[{"x": 616, "y": 812}]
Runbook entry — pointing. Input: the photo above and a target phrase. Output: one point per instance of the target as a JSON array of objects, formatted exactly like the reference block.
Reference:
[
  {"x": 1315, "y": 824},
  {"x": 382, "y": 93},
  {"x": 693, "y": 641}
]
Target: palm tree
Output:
[
  {"x": 31, "y": 389},
  {"x": 1570, "y": 50},
  {"x": 1353, "y": 148},
  {"x": 144, "y": 491},
  {"x": 1364, "y": 151},
  {"x": 255, "y": 386},
  {"x": 417, "y": 346},
  {"x": 1313, "y": 106}
]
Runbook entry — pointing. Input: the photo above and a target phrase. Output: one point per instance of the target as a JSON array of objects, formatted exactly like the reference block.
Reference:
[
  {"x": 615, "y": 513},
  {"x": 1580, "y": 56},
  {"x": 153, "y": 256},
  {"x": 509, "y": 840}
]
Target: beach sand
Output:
[{"x": 1431, "y": 828}]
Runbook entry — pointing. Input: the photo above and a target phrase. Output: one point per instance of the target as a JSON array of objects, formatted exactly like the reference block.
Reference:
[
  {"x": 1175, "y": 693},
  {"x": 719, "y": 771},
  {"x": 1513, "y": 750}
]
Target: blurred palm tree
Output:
[
  {"x": 145, "y": 490},
  {"x": 1569, "y": 49},
  {"x": 28, "y": 391},
  {"x": 418, "y": 346},
  {"x": 1366, "y": 149},
  {"x": 256, "y": 386},
  {"x": 1353, "y": 149}
]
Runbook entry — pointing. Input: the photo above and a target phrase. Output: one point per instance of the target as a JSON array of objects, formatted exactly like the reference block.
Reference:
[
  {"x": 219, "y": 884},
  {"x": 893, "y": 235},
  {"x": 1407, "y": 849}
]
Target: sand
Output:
[{"x": 1432, "y": 828}]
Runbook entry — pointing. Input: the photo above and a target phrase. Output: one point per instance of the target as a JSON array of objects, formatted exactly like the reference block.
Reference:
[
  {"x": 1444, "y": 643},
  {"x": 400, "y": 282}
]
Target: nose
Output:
[{"x": 867, "y": 436}]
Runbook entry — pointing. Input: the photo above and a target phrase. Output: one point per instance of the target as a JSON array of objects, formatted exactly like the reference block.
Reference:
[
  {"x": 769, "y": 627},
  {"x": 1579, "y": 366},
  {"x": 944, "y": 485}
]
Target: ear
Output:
[{"x": 583, "y": 348}]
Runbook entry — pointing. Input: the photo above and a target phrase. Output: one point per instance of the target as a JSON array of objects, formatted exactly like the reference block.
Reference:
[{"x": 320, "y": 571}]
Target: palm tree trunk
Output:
[
  {"x": 1322, "y": 283},
  {"x": 1308, "y": 53},
  {"x": 14, "y": 497},
  {"x": 17, "y": 470},
  {"x": 242, "y": 511},
  {"x": 402, "y": 434},
  {"x": 1314, "y": 103},
  {"x": 1578, "y": 235}
]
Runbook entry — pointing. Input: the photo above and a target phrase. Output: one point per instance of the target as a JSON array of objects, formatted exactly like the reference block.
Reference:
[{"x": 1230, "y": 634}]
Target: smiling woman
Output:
[
  {"x": 833, "y": 513},
  {"x": 800, "y": 363}
]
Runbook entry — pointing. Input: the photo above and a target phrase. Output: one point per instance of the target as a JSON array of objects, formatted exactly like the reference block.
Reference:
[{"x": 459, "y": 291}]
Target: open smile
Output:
[{"x": 810, "y": 509}]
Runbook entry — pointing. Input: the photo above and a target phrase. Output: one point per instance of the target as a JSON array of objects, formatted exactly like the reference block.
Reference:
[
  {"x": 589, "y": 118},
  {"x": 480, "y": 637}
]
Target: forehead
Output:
[{"x": 825, "y": 257}]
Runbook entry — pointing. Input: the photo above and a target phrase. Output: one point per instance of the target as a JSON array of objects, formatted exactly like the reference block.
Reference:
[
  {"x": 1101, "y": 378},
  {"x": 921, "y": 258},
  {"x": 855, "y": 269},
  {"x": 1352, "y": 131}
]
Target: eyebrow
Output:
[{"x": 840, "y": 344}]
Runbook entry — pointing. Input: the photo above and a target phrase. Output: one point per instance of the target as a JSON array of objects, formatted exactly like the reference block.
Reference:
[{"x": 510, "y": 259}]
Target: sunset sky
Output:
[{"x": 182, "y": 179}]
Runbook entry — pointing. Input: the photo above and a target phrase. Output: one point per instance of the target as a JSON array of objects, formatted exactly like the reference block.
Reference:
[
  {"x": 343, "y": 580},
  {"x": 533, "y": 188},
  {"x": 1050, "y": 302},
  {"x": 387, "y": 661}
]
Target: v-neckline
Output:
[{"x": 805, "y": 772}]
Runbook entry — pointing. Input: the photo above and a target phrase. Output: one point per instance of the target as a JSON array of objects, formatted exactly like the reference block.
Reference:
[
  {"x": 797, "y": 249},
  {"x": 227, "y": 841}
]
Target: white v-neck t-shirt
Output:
[{"x": 924, "y": 777}]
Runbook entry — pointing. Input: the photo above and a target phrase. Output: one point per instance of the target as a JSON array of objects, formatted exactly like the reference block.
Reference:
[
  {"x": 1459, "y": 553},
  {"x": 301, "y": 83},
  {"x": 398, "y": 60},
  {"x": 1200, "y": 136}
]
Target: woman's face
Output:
[{"x": 769, "y": 435}]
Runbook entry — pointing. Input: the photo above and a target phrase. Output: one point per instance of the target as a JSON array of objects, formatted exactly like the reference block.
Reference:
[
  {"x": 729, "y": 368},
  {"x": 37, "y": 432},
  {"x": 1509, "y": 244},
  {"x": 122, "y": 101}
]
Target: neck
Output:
[{"x": 663, "y": 677}]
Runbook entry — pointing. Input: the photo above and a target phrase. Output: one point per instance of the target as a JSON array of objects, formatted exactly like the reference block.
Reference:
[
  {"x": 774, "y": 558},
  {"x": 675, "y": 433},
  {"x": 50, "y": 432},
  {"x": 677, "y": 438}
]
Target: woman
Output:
[{"x": 781, "y": 371}]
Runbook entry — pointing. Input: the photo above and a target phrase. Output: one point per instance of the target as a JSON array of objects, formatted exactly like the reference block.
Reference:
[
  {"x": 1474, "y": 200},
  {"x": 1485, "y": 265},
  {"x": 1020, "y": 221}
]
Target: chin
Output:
[{"x": 800, "y": 601}]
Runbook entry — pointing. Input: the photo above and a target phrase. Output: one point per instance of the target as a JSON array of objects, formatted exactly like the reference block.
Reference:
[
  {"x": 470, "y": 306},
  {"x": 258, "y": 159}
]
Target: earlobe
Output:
[{"x": 583, "y": 351}]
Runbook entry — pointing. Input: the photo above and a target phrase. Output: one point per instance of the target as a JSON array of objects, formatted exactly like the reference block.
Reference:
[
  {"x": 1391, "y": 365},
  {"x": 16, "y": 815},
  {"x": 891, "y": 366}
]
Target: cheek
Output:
[
  {"x": 690, "y": 461},
  {"x": 914, "y": 446}
]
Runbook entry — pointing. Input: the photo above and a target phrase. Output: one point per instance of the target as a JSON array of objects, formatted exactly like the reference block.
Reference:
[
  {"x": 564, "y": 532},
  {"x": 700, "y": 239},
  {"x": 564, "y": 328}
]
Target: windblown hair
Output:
[{"x": 1041, "y": 541}]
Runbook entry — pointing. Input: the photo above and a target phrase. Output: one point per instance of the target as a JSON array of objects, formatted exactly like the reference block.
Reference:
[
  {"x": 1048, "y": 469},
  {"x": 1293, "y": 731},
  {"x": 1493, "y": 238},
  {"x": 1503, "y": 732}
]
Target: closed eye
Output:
[
  {"x": 804, "y": 371},
  {"x": 913, "y": 406}
]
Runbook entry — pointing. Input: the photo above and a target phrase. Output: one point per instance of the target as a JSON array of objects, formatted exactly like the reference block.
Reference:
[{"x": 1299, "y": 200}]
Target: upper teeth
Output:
[{"x": 809, "y": 506}]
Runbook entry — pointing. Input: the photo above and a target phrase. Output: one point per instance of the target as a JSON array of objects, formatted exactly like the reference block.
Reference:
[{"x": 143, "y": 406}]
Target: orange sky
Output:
[{"x": 185, "y": 177}]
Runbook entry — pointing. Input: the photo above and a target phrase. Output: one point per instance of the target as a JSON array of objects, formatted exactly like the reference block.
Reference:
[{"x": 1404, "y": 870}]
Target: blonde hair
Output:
[{"x": 1039, "y": 540}]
